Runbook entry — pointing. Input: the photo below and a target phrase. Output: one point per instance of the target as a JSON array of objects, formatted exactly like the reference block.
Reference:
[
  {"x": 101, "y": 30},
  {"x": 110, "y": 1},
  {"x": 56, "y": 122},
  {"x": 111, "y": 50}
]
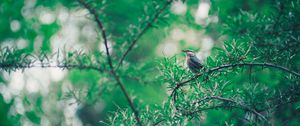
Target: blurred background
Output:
[{"x": 53, "y": 96}]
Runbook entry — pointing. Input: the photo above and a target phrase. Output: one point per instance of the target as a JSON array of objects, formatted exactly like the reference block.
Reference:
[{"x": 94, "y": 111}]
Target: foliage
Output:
[{"x": 251, "y": 76}]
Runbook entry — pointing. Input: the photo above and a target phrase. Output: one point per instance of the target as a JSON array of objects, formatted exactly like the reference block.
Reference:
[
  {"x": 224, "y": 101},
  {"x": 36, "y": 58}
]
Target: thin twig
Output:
[
  {"x": 78, "y": 101},
  {"x": 158, "y": 122},
  {"x": 291, "y": 95},
  {"x": 238, "y": 105},
  {"x": 100, "y": 25},
  {"x": 69, "y": 66},
  {"x": 225, "y": 107},
  {"x": 294, "y": 46},
  {"x": 149, "y": 24}
]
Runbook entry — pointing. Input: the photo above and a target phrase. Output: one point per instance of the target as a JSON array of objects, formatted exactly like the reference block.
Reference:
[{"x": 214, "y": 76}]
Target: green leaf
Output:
[
  {"x": 210, "y": 61},
  {"x": 33, "y": 117}
]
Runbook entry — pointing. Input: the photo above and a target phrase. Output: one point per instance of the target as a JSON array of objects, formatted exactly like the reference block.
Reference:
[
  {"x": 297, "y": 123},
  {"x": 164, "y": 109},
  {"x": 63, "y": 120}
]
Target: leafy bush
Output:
[{"x": 251, "y": 76}]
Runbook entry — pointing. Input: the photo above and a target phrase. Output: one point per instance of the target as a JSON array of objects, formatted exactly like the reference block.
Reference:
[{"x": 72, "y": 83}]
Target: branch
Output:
[
  {"x": 285, "y": 103},
  {"x": 158, "y": 122},
  {"x": 64, "y": 66},
  {"x": 238, "y": 105},
  {"x": 100, "y": 25},
  {"x": 180, "y": 84},
  {"x": 226, "y": 107},
  {"x": 240, "y": 65},
  {"x": 289, "y": 96},
  {"x": 149, "y": 24},
  {"x": 294, "y": 46}
]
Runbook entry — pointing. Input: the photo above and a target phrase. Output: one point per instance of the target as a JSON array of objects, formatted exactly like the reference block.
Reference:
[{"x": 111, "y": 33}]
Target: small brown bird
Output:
[{"x": 193, "y": 62}]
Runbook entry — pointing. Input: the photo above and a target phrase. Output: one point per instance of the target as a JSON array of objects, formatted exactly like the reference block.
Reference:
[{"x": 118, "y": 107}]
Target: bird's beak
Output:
[{"x": 184, "y": 50}]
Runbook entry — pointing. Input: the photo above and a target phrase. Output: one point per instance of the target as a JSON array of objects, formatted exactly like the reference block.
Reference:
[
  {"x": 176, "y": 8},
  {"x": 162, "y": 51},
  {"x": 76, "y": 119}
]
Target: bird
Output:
[{"x": 192, "y": 61}]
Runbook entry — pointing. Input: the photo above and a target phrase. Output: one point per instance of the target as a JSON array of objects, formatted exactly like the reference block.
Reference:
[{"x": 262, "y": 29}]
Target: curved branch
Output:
[
  {"x": 117, "y": 78},
  {"x": 238, "y": 105},
  {"x": 149, "y": 24},
  {"x": 180, "y": 84},
  {"x": 226, "y": 107}
]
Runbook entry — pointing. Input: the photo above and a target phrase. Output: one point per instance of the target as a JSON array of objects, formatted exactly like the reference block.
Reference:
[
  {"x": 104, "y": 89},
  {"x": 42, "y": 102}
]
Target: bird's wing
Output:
[
  {"x": 196, "y": 61},
  {"x": 194, "y": 64}
]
